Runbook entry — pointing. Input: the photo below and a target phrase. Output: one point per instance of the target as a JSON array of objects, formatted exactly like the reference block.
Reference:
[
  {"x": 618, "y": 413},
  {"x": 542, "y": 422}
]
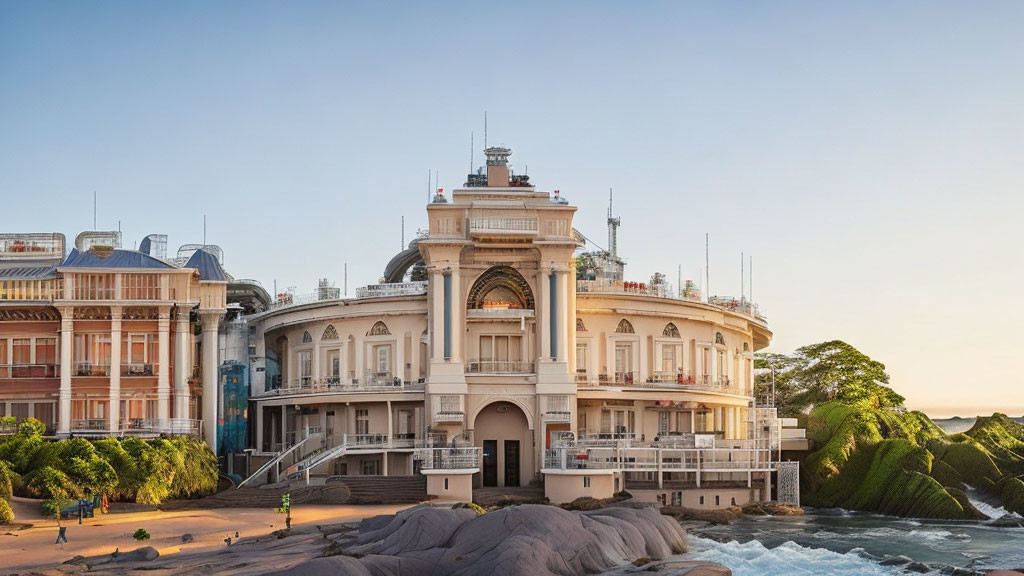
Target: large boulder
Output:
[{"x": 528, "y": 540}]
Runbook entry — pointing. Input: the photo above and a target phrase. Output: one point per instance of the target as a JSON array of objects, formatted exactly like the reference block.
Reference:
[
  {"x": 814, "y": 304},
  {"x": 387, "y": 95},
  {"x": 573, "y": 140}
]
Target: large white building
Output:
[{"x": 484, "y": 361}]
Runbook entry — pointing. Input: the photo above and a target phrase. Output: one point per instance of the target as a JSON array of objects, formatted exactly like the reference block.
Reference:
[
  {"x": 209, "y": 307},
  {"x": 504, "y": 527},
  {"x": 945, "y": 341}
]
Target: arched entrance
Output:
[{"x": 503, "y": 432}]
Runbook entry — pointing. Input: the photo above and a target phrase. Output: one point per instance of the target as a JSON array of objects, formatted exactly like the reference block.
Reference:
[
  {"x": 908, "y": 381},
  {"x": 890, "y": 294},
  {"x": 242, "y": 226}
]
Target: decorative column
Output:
[
  {"x": 114, "y": 413},
  {"x": 554, "y": 310},
  {"x": 66, "y": 361},
  {"x": 211, "y": 386},
  {"x": 544, "y": 314},
  {"x": 163, "y": 381},
  {"x": 182, "y": 365}
]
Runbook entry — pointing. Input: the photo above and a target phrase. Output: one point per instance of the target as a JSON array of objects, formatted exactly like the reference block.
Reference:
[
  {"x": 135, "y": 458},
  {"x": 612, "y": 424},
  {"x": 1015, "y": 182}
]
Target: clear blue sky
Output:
[{"x": 868, "y": 155}]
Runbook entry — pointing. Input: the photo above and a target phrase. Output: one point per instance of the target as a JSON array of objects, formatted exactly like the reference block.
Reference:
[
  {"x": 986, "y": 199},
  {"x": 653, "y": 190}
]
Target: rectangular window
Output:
[
  {"x": 586, "y": 481},
  {"x": 581, "y": 359},
  {"x": 305, "y": 367},
  {"x": 22, "y": 351},
  {"x": 558, "y": 403},
  {"x": 606, "y": 421},
  {"x": 624, "y": 363},
  {"x": 362, "y": 421},
  {"x": 668, "y": 358},
  {"x": 383, "y": 360},
  {"x": 46, "y": 351},
  {"x": 450, "y": 404},
  {"x": 371, "y": 467},
  {"x": 701, "y": 500},
  {"x": 716, "y": 501},
  {"x": 19, "y": 410},
  {"x": 334, "y": 363},
  {"x": 445, "y": 483},
  {"x": 663, "y": 422},
  {"x": 3, "y": 352},
  {"x": 92, "y": 354}
]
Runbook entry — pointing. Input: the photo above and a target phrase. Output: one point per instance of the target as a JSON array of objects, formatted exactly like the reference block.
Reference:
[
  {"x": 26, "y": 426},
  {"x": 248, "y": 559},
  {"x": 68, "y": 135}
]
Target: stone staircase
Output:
[{"x": 383, "y": 489}]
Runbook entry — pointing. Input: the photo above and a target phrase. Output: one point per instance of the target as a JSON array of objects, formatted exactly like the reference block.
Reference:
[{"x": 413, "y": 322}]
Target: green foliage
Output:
[
  {"x": 825, "y": 372},
  {"x": 133, "y": 469},
  {"x": 8, "y": 421},
  {"x": 471, "y": 506},
  {"x": 52, "y": 484},
  {"x": 141, "y": 535},
  {"x": 972, "y": 462},
  {"x": 7, "y": 478},
  {"x": 31, "y": 427},
  {"x": 6, "y": 514},
  {"x": 1004, "y": 440}
]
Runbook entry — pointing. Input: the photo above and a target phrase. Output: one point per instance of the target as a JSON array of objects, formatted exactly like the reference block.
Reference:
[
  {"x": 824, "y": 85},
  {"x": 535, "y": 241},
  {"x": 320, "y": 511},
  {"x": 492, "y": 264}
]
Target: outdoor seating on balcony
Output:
[
  {"x": 90, "y": 369},
  {"x": 138, "y": 369}
]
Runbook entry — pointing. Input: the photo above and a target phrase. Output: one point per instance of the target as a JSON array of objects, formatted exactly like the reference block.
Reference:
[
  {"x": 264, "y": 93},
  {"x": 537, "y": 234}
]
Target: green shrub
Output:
[
  {"x": 1013, "y": 495},
  {"x": 52, "y": 484},
  {"x": 6, "y": 514},
  {"x": 32, "y": 427},
  {"x": 7, "y": 477},
  {"x": 470, "y": 506},
  {"x": 141, "y": 535}
]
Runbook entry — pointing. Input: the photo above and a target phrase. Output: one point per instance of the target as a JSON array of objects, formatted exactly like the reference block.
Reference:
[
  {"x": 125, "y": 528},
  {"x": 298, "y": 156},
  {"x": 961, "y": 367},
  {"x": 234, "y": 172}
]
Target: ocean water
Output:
[
  {"x": 957, "y": 425},
  {"x": 826, "y": 542}
]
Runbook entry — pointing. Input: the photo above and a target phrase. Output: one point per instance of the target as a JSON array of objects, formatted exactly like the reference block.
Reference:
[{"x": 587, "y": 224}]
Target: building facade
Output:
[
  {"x": 491, "y": 357},
  {"x": 106, "y": 341}
]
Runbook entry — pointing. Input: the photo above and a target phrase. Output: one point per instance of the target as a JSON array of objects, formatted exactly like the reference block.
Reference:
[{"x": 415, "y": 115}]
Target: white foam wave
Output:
[{"x": 789, "y": 558}]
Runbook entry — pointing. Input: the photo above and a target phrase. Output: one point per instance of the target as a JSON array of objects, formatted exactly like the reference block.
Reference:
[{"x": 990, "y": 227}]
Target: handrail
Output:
[
  {"x": 316, "y": 459},
  {"x": 273, "y": 461}
]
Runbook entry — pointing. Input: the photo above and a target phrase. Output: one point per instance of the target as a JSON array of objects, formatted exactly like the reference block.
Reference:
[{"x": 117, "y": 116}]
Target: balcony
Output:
[
  {"x": 367, "y": 441},
  {"x": 738, "y": 306},
  {"x": 388, "y": 290},
  {"x": 138, "y": 370},
  {"x": 558, "y": 416},
  {"x": 503, "y": 226},
  {"x": 499, "y": 367},
  {"x": 30, "y": 371},
  {"x": 337, "y": 385},
  {"x": 90, "y": 369},
  {"x": 138, "y": 426},
  {"x": 449, "y": 458},
  {"x": 449, "y": 417}
]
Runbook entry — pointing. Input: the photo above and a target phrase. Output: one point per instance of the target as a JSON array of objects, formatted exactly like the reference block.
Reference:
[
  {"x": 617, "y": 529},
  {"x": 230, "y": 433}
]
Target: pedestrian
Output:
[{"x": 62, "y": 534}]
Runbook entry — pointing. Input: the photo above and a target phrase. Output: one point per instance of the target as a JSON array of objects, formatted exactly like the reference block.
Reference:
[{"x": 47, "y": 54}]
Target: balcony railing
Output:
[
  {"x": 449, "y": 416},
  {"x": 137, "y": 369},
  {"x": 503, "y": 225},
  {"x": 396, "y": 289},
  {"x": 740, "y": 306},
  {"x": 738, "y": 458},
  {"x": 558, "y": 416},
  {"x": 29, "y": 371},
  {"x": 659, "y": 382},
  {"x": 367, "y": 440},
  {"x": 449, "y": 458},
  {"x": 141, "y": 426},
  {"x": 335, "y": 385},
  {"x": 375, "y": 379},
  {"x": 499, "y": 367},
  {"x": 90, "y": 369}
]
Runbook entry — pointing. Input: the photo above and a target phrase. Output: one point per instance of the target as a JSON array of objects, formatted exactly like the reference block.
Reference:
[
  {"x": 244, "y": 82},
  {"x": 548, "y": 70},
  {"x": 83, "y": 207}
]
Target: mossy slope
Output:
[{"x": 901, "y": 463}]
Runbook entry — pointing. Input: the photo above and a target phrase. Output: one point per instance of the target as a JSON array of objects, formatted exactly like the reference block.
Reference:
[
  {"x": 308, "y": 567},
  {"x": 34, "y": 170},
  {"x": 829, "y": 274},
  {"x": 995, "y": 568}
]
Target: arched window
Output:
[
  {"x": 746, "y": 347},
  {"x": 579, "y": 325},
  {"x": 500, "y": 287},
  {"x": 379, "y": 329},
  {"x": 719, "y": 339},
  {"x": 624, "y": 327},
  {"x": 306, "y": 338},
  {"x": 670, "y": 330},
  {"x": 331, "y": 333}
]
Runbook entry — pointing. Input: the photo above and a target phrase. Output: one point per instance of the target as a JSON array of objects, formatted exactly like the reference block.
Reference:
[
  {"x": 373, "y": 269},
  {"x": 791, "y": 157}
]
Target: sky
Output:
[{"x": 867, "y": 155}]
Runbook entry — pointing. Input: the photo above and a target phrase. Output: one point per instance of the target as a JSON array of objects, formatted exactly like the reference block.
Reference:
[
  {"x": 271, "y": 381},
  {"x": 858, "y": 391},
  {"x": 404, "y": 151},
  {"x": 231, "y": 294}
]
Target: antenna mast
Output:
[{"x": 613, "y": 227}]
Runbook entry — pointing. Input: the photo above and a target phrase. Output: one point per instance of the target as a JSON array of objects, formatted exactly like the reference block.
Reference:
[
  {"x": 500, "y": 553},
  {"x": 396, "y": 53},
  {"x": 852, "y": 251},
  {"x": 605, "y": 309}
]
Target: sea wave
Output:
[{"x": 789, "y": 558}]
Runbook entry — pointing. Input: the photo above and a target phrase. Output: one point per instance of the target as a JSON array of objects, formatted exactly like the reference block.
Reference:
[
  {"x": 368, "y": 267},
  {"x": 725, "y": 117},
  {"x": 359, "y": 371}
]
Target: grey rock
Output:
[
  {"x": 919, "y": 567},
  {"x": 895, "y": 560},
  {"x": 330, "y": 566}
]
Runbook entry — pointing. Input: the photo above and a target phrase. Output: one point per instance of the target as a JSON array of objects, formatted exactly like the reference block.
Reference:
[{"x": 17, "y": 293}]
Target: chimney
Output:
[{"x": 497, "y": 166}]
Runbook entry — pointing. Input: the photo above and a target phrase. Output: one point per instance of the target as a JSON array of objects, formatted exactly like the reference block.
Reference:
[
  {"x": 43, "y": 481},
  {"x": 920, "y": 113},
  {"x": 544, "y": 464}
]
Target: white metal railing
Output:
[
  {"x": 176, "y": 426},
  {"x": 504, "y": 224},
  {"x": 558, "y": 416},
  {"x": 396, "y": 289},
  {"x": 499, "y": 367},
  {"x": 367, "y": 440},
  {"x": 335, "y": 385},
  {"x": 90, "y": 369},
  {"x": 138, "y": 369},
  {"x": 90, "y": 425},
  {"x": 650, "y": 459},
  {"x": 449, "y": 416},
  {"x": 739, "y": 306},
  {"x": 272, "y": 462},
  {"x": 449, "y": 458}
]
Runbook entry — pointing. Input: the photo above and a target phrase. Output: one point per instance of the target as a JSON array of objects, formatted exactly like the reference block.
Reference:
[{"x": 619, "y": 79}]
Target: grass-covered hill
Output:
[{"x": 894, "y": 461}]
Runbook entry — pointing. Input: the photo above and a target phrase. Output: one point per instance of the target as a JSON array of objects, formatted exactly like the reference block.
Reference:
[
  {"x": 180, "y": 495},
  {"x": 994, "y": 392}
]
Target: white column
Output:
[
  {"x": 400, "y": 357},
  {"x": 211, "y": 387},
  {"x": 113, "y": 414},
  {"x": 66, "y": 363},
  {"x": 163, "y": 380},
  {"x": 566, "y": 324},
  {"x": 182, "y": 365},
  {"x": 458, "y": 313},
  {"x": 544, "y": 315}
]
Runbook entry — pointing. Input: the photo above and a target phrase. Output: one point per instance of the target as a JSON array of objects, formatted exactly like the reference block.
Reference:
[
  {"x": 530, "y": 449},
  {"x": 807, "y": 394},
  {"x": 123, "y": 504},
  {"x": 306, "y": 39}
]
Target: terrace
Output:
[{"x": 737, "y": 306}]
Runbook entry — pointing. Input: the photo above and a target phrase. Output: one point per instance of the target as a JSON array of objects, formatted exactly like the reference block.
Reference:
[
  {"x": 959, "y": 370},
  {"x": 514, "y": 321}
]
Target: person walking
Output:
[{"x": 62, "y": 533}]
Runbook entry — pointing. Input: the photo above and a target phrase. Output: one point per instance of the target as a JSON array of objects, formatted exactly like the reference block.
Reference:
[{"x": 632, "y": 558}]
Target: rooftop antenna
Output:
[
  {"x": 613, "y": 227},
  {"x": 707, "y": 273}
]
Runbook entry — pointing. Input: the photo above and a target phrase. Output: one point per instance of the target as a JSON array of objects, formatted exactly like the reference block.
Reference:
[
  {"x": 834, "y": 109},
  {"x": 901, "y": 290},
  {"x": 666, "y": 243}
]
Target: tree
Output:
[{"x": 824, "y": 372}]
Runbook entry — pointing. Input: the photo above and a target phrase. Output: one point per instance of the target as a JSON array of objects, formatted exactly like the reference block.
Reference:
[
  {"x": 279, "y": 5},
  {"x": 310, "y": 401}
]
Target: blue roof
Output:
[
  {"x": 119, "y": 259},
  {"x": 29, "y": 270},
  {"x": 207, "y": 265}
]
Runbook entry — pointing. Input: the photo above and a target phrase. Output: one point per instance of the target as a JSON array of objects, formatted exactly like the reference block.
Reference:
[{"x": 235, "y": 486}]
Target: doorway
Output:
[
  {"x": 490, "y": 463},
  {"x": 511, "y": 462}
]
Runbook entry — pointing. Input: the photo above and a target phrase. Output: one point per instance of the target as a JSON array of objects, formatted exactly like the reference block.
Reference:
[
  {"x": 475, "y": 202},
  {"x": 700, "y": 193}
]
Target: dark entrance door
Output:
[
  {"x": 511, "y": 462},
  {"x": 490, "y": 462}
]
